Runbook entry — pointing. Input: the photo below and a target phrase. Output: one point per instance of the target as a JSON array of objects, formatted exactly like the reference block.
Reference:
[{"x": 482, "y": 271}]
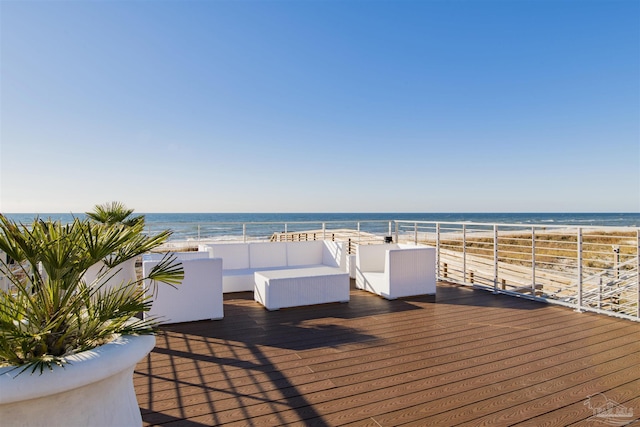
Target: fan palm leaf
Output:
[{"x": 50, "y": 310}]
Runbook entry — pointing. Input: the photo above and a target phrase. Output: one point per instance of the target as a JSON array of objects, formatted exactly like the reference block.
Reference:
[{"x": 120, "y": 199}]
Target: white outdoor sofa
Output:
[
  {"x": 285, "y": 274},
  {"x": 198, "y": 297},
  {"x": 111, "y": 278},
  {"x": 396, "y": 270}
]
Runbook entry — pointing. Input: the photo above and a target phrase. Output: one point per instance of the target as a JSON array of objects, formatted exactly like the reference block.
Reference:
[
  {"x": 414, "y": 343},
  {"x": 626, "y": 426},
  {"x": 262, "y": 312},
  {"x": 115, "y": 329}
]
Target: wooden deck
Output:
[{"x": 464, "y": 357}]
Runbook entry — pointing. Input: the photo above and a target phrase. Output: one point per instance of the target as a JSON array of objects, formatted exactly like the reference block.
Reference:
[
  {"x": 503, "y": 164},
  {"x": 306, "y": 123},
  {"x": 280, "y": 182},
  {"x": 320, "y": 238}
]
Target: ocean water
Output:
[{"x": 262, "y": 225}]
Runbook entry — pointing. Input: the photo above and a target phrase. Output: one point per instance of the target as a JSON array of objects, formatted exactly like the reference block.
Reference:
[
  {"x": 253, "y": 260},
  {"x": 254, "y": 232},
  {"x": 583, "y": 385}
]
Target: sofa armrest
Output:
[
  {"x": 371, "y": 258},
  {"x": 198, "y": 297},
  {"x": 334, "y": 254},
  {"x": 411, "y": 267}
]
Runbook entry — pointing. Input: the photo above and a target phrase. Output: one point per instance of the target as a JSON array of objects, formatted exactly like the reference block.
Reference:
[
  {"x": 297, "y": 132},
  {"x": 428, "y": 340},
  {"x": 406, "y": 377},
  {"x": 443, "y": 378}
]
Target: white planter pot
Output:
[{"x": 94, "y": 389}]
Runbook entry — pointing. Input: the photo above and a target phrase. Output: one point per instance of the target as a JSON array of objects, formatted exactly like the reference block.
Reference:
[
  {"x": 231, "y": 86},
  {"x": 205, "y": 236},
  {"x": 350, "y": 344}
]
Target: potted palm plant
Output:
[{"x": 70, "y": 330}]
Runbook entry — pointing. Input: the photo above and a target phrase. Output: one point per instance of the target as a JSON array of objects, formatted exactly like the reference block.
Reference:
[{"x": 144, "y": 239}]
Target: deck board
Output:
[{"x": 464, "y": 357}]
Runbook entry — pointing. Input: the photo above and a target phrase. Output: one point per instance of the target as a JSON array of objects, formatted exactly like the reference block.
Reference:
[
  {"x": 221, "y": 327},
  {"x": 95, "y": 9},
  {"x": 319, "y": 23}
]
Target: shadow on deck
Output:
[{"x": 463, "y": 357}]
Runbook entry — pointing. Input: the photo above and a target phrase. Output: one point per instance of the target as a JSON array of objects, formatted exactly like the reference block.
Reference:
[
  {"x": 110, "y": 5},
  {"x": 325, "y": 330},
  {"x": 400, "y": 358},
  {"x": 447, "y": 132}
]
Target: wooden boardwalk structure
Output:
[{"x": 465, "y": 357}]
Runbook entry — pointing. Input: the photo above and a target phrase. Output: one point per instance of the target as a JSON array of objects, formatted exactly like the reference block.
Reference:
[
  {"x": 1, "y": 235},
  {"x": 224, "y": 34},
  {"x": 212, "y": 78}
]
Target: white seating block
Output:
[
  {"x": 198, "y": 297},
  {"x": 396, "y": 270},
  {"x": 242, "y": 260},
  {"x": 304, "y": 286}
]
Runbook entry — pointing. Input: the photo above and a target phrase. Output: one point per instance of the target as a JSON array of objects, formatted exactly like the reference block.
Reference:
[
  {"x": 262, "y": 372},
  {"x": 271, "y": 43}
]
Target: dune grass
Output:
[{"x": 552, "y": 249}]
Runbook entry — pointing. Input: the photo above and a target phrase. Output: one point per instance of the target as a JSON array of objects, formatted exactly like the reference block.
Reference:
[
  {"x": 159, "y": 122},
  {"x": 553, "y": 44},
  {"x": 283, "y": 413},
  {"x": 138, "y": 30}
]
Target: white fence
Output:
[
  {"x": 352, "y": 232},
  {"x": 587, "y": 268}
]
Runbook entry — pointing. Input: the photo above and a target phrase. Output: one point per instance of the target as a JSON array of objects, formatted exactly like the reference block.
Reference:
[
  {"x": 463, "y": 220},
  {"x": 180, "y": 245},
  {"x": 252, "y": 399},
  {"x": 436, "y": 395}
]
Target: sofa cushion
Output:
[
  {"x": 371, "y": 258},
  {"x": 267, "y": 254},
  {"x": 237, "y": 282},
  {"x": 180, "y": 256},
  {"x": 234, "y": 255},
  {"x": 304, "y": 253},
  {"x": 334, "y": 254}
]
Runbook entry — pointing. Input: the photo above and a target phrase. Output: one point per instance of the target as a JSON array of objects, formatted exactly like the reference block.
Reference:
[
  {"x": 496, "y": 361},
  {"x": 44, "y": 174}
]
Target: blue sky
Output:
[{"x": 320, "y": 106}]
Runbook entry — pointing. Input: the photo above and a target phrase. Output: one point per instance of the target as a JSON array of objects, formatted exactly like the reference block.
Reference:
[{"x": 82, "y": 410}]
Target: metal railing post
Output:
[
  {"x": 495, "y": 258},
  {"x": 438, "y": 250},
  {"x": 638, "y": 270},
  {"x": 198, "y": 232},
  {"x": 579, "y": 272},
  {"x": 358, "y": 232},
  {"x": 464, "y": 253},
  {"x": 415, "y": 233},
  {"x": 616, "y": 261},
  {"x": 397, "y": 226},
  {"x": 244, "y": 232},
  {"x": 600, "y": 293},
  {"x": 533, "y": 261},
  {"x": 324, "y": 231}
]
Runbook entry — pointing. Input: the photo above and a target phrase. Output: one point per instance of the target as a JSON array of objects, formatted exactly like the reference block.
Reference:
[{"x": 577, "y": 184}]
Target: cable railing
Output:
[
  {"x": 189, "y": 236},
  {"x": 613, "y": 288},
  {"x": 554, "y": 263},
  {"x": 587, "y": 268}
]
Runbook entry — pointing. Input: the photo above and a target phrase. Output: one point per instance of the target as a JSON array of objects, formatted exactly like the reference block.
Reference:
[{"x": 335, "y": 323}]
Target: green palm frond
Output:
[
  {"x": 50, "y": 310},
  {"x": 115, "y": 213},
  {"x": 168, "y": 271}
]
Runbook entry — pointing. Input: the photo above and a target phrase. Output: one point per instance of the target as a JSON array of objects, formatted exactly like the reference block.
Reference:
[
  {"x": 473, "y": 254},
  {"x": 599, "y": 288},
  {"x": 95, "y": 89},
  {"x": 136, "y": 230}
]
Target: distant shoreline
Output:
[{"x": 195, "y": 226}]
